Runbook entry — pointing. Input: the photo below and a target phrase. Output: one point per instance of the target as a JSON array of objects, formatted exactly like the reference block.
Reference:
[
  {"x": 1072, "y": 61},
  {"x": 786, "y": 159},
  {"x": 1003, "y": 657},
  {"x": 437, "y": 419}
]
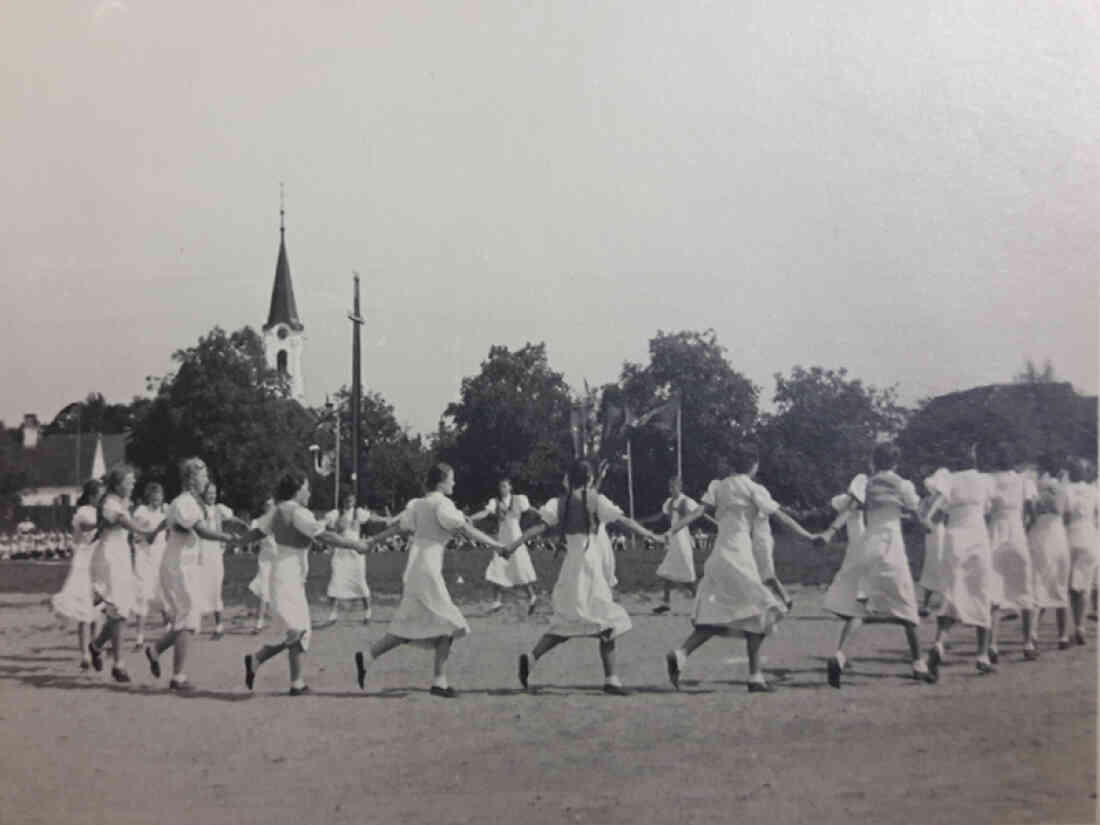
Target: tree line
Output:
[{"x": 518, "y": 417}]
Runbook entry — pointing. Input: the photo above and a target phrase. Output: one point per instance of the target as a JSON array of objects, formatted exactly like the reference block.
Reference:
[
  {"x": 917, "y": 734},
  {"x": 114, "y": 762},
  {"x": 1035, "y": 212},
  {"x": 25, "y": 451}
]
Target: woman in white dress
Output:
[
  {"x": 763, "y": 552},
  {"x": 260, "y": 586},
  {"x": 184, "y": 584},
  {"x": 112, "y": 567},
  {"x": 516, "y": 570},
  {"x": 426, "y": 615},
  {"x": 1081, "y": 532},
  {"x": 731, "y": 599},
  {"x": 966, "y": 566},
  {"x": 874, "y": 583},
  {"x": 147, "y": 558},
  {"x": 348, "y": 579},
  {"x": 1012, "y": 492},
  {"x": 1050, "y": 556},
  {"x": 678, "y": 565},
  {"x": 294, "y": 529},
  {"x": 582, "y": 600},
  {"x": 218, "y": 516},
  {"x": 75, "y": 600}
]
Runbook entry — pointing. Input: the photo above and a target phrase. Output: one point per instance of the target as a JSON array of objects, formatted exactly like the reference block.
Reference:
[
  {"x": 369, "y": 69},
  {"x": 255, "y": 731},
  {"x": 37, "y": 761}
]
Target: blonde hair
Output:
[{"x": 189, "y": 470}]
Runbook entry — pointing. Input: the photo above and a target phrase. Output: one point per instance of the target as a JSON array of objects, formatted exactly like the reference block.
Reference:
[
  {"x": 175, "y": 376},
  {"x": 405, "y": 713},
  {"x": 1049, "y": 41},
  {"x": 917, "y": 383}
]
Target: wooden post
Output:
[{"x": 356, "y": 393}]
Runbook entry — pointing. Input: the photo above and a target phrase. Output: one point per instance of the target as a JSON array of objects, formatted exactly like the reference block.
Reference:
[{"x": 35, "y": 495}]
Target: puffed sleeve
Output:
[
  {"x": 186, "y": 512},
  {"x": 264, "y": 523},
  {"x": 857, "y": 488},
  {"x": 939, "y": 482},
  {"x": 449, "y": 516},
  {"x": 549, "y": 512},
  {"x": 306, "y": 524},
  {"x": 226, "y": 511},
  {"x": 841, "y": 502},
  {"x": 1031, "y": 489},
  {"x": 763, "y": 500},
  {"x": 607, "y": 510},
  {"x": 362, "y": 514},
  {"x": 330, "y": 518},
  {"x": 408, "y": 516},
  {"x": 909, "y": 497},
  {"x": 113, "y": 508},
  {"x": 689, "y": 504},
  {"x": 523, "y": 504},
  {"x": 492, "y": 505},
  {"x": 710, "y": 497},
  {"x": 84, "y": 518}
]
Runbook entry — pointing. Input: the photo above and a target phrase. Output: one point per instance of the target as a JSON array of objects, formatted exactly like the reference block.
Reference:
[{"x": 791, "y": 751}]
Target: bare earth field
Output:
[{"x": 1016, "y": 747}]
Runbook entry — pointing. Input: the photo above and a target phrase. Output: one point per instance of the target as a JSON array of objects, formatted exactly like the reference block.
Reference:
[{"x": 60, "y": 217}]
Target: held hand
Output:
[{"x": 820, "y": 539}]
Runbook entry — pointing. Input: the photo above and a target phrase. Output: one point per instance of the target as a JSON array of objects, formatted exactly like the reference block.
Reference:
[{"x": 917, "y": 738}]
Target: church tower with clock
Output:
[{"x": 284, "y": 332}]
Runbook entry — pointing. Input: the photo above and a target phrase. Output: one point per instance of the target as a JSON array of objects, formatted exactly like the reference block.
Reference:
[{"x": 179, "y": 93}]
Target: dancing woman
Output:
[
  {"x": 582, "y": 600},
  {"x": 731, "y": 598},
  {"x": 348, "y": 579},
  {"x": 148, "y": 556},
  {"x": 966, "y": 566},
  {"x": 1081, "y": 532},
  {"x": 184, "y": 582},
  {"x": 112, "y": 568},
  {"x": 260, "y": 586},
  {"x": 678, "y": 566},
  {"x": 874, "y": 582},
  {"x": 294, "y": 529},
  {"x": 933, "y": 543},
  {"x": 213, "y": 559},
  {"x": 426, "y": 615},
  {"x": 1050, "y": 556},
  {"x": 516, "y": 570},
  {"x": 75, "y": 601}
]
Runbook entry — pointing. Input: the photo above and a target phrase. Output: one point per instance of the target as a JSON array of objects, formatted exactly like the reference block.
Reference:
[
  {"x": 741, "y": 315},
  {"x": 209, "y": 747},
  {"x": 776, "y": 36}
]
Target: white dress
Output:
[
  {"x": 874, "y": 580},
  {"x": 213, "y": 559},
  {"x": 731, "y": 596},
  {"x": 293, "y": 528},
  {"x": 348, "y": 579},
  {"x": 966, "y": 566},
  {"x": 183, "y": 585},
  {"x": 1049, "y": 546},
  {"x": 112, "y": 570},
  {"x": 75, "y": 599},
  {"x": 582, "y": 600},
  {"x": 260, "y": 586},
  {"x": 517, "y": 569},
  {"x": 147, "y": 560},
  {"x": 606, "y": 552},
  {"x": 933, "y": 541},
  {"x": 1082, "y": 535},
  {"x": 1008, "y": 540},
  {"x": 426, "y": 611},
  {"x": 679, "y": 562},
  {"x": 763, "y": 546}
]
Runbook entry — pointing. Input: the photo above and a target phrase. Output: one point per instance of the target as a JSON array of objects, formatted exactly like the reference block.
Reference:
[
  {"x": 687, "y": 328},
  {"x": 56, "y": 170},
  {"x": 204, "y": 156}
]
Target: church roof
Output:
[{"x": 284, "y": 309}]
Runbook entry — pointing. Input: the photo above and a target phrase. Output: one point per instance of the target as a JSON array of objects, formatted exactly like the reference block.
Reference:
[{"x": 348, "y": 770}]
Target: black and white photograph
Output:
[{"x": 533, "y": 412}]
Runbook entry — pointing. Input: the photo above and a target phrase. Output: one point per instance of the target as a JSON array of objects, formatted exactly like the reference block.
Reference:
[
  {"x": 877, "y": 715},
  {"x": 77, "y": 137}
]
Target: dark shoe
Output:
[
  {"x": 994, "y": 655},
  {"x": 217, "y": 635},
  {"x": 154, "y": 663},
  {"x": 531, "y": 606},
  {"x": 790, "y": 605},
  {"x": 97, "y": 656},
  {"x": 360, "y": 670},
  {"x": 120, "y": 675},
  {"x": 924, "y": 676},
  {"x": 1079, "y": 637},
  {"x": 934, "y": 661},
  {"x": 524, "y": 669},
  {"x": 673, "y": 669},
  {"x": 661, "y": 608},
  {"x": 985, "y": 668},
  {"x": 1031, "y": 653},
  {"x": 834, "y": 672},
  {"x": 1063, "y": 644},
  {"x": 924, "y": 613},
  {"x": 249, "y": 672},
  {"x": 180, "y": 686},
  {"x": 445, "y": 693},
  {"x": 85, "y": 664},
  {"x": 302, "y": 691},
  {"x": 761, "y": 687},
  {"x": 615, "y": 690}
]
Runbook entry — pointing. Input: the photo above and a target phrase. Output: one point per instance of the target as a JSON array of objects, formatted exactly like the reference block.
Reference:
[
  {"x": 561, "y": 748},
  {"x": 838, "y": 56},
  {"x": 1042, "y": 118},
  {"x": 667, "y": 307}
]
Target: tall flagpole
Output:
[
  {"x": 679, "y": 442},
  {"x": 356, "y": 392},
  {"x": 630, "y": 477}
]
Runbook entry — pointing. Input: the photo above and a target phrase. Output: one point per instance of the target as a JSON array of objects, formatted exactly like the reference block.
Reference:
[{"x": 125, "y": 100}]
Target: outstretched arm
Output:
[
  {"x": 635, "y": 527},
  {"x": 479, "y": 515},
  {"x": 794, "y": 526},
  {"x": 690, "y": 518},
  {"x": 394, "y": 529},
  {"x": 933, "y": 508},
  {"x": 474, "y": 534}
]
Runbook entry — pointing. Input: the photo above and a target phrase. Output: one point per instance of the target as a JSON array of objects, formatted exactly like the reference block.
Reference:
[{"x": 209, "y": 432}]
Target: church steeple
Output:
[
  {"x": 283, "y": 332},
  {"x": 284, "y": 309}
]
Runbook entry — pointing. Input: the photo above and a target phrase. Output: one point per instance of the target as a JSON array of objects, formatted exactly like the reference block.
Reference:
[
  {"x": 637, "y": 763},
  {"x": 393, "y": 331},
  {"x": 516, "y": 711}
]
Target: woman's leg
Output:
[
  {"x": 753, "y": 643},
  {"x": 294, "y": 654},
  {"x": 439, "y": 665},
  {"x": 82, "y": 634},
  {"x": 994, "y": 625}
]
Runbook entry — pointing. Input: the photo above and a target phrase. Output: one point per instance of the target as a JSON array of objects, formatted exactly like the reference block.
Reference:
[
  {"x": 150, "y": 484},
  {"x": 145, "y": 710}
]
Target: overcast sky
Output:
[{"x": 910, "y": 190}]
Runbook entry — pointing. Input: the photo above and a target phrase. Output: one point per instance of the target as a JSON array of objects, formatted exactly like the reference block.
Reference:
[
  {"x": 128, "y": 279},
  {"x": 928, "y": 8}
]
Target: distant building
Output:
[
  {"x": 58, "y": 465},
  {"x": 284, "y": 332}
]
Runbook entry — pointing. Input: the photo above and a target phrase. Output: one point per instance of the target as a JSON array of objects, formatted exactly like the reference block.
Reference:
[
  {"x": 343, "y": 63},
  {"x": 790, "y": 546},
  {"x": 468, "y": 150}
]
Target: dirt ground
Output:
[{"x": 1016, "y": 747}]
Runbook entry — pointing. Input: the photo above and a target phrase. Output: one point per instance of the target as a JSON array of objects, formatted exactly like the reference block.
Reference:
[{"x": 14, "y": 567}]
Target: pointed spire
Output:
[{"x": 284, "y": 309}]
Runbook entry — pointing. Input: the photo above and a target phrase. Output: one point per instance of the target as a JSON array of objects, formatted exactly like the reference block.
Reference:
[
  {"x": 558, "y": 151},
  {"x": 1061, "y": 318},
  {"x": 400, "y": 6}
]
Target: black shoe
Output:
[
  {"x": 97, "y": 656},
  {"x": 661, "y": 608},
  {"x": 994, "y": 655},
  {"x": 524, "y": 669},
  {"x": 934, "y": 660},
  {"x": 446, "y": 693},
  {"x": 154, "y": 663},
  {"x": 120, "y": 675},
  {"x": 180, "y": 687},
  {"x": 790, "y": 605},
  {"x": 1079, "y": 637},
  {"x": 924, "y": 613},
  {"x": 673, "y": 669},
  {"x": 834, "y": 671},
  {"x": 985, "y": 668},
  {"x": 249, "y": 672},
  {"x": 360, "y": 670},
  {"x": 302, "y": 691},
  {"x": 531, "y": 606},
  {"x": 1063, "y": 644},
  {"x": 85, "y": 664},
  {"x": 1031, "y": 653},
  {"x": 924, "y": 676},
  {"x": 761, "y": 687},
  {"x": 615, "y": 690}
]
